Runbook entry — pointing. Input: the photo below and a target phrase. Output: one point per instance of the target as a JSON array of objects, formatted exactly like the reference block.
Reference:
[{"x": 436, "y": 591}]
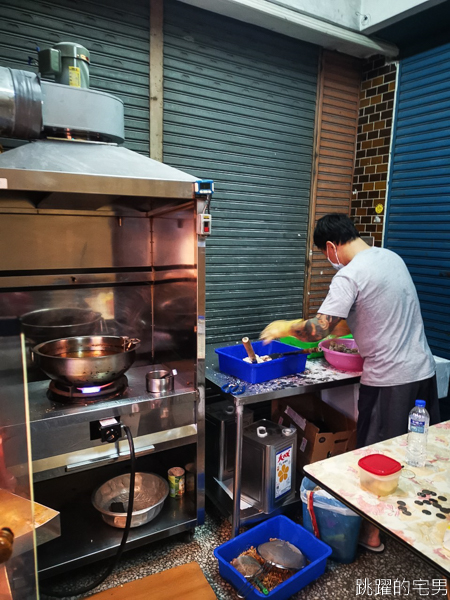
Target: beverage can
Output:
[
  {"x": 190, "y": 477},
  {"x": 176, "y": 482}
]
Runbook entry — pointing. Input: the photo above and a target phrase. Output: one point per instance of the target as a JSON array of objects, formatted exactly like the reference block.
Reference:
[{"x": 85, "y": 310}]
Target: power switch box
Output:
[
  {"x": 107, "y": 430},
  {"x": 204, "y": 224}
]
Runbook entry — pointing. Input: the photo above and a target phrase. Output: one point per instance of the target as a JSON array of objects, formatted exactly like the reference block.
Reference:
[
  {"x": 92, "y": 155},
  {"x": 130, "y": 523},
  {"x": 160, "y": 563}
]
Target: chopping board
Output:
[
  {"x": 16, "y": 513},
  {"x": 186, "y": 582},
  {"x": 5, "y": 588}
]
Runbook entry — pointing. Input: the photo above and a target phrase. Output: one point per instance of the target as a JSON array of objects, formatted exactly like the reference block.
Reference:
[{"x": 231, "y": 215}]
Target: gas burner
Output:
[{"x": 59, "y": 392}]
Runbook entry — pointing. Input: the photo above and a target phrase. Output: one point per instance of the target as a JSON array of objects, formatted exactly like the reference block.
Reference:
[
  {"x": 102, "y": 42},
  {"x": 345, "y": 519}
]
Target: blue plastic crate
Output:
[
  {"x": 231, "y": 362},
  {"x": 282, "y": 528}
]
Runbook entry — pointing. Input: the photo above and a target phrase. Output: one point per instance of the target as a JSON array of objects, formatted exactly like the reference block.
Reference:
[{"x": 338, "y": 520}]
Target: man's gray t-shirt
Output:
[{"x": 377, "y": 296}]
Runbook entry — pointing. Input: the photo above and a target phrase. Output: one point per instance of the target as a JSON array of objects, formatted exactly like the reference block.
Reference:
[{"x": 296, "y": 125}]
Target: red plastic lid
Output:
[{"x": 378, "y": 464}]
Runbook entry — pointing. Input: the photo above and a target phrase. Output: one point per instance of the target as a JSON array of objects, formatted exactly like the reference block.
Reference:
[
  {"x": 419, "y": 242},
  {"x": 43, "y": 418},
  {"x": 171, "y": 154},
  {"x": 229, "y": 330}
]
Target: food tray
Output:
[
  {"x": 293, "y": 341},
  {"x": 231, "y": 362},
  {"x": 282, "y": 528}
]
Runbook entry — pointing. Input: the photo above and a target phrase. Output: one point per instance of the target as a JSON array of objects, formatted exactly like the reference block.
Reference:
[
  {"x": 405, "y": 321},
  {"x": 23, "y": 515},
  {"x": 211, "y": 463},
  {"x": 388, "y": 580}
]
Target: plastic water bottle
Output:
[{"x": 418, "y": 422}]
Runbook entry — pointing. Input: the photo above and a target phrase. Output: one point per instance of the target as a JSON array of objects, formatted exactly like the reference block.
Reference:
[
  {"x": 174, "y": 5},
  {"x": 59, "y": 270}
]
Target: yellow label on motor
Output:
[{"x": 74, "y": 77}]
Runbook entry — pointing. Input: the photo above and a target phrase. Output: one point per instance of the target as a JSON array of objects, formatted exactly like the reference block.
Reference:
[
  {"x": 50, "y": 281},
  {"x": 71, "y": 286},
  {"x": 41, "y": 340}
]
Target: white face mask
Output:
[{"x": 338, "y": 266}]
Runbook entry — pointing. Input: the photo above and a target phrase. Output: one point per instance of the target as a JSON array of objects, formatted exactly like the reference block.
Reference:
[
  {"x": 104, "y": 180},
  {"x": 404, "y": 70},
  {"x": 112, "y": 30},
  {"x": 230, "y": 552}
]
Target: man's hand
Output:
[
  {"x": 320, "y": 327},
  {"x": 278, "y": 329},
  {"x": 311, "y": 330}
]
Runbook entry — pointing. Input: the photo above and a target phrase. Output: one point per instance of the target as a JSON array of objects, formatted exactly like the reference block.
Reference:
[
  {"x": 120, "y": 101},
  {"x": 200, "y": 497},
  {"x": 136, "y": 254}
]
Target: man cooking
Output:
[{"x": 374, "y": 292}]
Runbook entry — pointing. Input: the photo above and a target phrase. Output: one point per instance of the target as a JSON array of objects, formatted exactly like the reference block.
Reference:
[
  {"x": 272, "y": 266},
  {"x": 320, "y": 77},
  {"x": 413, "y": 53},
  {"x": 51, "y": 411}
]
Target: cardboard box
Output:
[
  {"x": 344, "y": 399},
  {"x": 322, "y": 430}
]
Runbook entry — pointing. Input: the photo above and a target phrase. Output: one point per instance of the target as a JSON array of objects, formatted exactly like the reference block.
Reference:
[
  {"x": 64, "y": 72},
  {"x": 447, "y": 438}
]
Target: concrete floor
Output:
[{"x": 339, "y": 582}]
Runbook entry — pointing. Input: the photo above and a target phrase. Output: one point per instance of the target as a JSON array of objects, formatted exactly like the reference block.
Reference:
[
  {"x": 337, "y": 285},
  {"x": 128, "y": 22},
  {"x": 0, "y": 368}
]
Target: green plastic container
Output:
[{"x": 293, "y": 341}]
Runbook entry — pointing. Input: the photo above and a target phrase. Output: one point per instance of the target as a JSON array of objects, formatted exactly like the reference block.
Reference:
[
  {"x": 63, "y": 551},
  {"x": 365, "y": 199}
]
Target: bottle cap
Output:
[{"x": 420, "y": 403}]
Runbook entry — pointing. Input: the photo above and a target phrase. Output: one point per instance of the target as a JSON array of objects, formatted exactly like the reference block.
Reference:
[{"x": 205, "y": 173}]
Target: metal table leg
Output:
[{"x": 237, "y": 471}]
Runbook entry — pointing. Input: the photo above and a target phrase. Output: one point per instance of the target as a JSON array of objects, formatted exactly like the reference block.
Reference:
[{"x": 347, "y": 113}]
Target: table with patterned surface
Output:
[{"x": 417, "y": 513}]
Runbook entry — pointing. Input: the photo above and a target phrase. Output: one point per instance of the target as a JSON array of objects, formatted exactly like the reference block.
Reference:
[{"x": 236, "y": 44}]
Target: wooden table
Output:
[
  {"x": 420, "y": 532},
  {"x": 186, "y": 582}
]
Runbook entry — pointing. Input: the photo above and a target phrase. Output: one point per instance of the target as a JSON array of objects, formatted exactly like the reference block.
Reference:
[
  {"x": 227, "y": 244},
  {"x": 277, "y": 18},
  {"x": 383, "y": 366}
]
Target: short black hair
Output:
[{"x": 336, "y": 228}]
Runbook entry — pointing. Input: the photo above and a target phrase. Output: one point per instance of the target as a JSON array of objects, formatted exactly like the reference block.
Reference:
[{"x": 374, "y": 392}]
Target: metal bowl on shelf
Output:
[{"x": 150, "y": 492}]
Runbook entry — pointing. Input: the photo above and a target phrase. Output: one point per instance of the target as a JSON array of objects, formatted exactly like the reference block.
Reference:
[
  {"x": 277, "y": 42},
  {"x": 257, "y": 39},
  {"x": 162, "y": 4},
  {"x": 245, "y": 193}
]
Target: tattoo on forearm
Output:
[{"x": 317, "y": 328}]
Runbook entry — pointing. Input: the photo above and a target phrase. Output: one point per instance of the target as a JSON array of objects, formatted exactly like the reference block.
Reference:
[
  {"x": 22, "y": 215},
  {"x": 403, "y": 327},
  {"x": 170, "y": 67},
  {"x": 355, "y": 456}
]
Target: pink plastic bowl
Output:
[{"x": 340, "y": 360}]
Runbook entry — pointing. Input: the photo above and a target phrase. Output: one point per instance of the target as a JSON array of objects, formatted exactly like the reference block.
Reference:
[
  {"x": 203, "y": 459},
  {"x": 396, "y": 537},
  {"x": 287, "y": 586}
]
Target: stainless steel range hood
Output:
[
  {"x": 90, "y": 168},
  {"x": 74, "y": 134}
]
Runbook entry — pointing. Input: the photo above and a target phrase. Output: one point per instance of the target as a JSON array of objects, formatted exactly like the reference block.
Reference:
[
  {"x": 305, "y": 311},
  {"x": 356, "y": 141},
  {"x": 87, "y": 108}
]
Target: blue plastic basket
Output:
[
  {"x": 231, "y": 362},
  {"x": 282, "y": 528}
]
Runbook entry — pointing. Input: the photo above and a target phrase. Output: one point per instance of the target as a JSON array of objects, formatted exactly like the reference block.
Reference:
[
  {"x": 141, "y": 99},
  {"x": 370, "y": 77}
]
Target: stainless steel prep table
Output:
[{"x": 318, "y": 375}]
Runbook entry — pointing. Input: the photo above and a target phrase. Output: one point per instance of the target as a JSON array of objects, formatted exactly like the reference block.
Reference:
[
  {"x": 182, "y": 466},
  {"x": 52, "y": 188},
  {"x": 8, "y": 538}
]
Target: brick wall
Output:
[{"x": 372, "y": 148}]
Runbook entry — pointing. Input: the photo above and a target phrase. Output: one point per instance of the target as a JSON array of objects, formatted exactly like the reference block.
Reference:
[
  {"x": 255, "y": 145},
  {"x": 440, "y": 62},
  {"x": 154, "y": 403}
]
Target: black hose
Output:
[{"x": 126, "y": 531}]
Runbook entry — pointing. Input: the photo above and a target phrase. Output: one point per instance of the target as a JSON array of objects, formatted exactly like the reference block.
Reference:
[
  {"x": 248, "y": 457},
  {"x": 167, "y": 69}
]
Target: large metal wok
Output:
[
  {"x": 55, "y": 323},
  {"x": 86, "y": 361}
]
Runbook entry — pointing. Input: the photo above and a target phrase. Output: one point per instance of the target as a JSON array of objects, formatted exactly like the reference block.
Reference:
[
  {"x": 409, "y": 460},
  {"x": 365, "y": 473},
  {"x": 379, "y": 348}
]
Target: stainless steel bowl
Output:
[
  {"x": 54, "y": 323},
  {"x": 150, "y": 491},
  {"x": 86, "y": 361}
]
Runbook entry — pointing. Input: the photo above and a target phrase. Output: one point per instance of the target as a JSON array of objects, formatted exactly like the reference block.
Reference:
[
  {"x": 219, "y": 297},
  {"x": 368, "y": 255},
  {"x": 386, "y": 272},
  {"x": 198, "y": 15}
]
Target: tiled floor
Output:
[{"x": 340, "y": 582}]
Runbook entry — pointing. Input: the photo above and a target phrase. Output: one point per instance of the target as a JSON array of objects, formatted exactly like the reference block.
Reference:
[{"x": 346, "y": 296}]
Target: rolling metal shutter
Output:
[
  {"x": 337, "y": 125},
  {"x": 418, "y": 215},
  {"x": 116, "y": 34},
  {"x": 239, "y": 108}
]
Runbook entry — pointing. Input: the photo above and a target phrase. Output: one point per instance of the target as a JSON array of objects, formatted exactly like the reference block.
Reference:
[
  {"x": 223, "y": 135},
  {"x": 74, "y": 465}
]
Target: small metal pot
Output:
[
  {"x": 160, "y": 380},
  {"x": 86, "y": 361},
  {"x": 150, "y": 492}
]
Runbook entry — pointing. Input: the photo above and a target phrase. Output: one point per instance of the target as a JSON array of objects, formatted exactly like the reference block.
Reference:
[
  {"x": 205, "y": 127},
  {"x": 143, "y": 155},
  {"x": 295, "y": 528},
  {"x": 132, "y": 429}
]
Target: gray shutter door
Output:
[
  {"x": 239, "y": 108},
  {"x": 115, "y": 33},
  {"x": 418, "y": 215}
]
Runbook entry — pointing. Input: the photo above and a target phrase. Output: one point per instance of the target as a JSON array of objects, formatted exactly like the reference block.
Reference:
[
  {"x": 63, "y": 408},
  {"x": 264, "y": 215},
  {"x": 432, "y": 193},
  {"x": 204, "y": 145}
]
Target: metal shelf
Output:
[
  {"x": 85, "y": 537},
  {"x": 224, "y": 504},
  {"x": 317, "y": 376}
]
